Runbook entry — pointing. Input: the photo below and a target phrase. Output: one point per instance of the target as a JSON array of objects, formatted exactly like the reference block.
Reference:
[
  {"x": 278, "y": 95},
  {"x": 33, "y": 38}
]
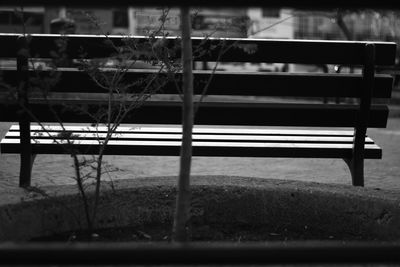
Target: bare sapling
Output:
[{"x": 182, "y": 211}]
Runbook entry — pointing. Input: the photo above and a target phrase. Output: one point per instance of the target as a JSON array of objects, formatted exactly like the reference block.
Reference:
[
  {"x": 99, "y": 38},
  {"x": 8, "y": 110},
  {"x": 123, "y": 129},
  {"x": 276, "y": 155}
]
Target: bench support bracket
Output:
[
  {"x": 356, "y": 162},
  {"x": 356, "y": 167},
  {"x": 25, "y": 173}
]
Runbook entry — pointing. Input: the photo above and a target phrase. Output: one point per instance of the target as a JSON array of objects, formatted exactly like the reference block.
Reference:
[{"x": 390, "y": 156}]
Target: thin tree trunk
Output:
[
  {"x": 182, "y": 212},
  {"x": 343, "y": 26}
]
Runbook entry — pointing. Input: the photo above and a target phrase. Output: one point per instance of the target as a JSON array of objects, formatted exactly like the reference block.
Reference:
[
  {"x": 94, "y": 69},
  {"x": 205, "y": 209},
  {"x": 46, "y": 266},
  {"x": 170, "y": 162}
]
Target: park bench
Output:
[{"x": 223, "y": 128}]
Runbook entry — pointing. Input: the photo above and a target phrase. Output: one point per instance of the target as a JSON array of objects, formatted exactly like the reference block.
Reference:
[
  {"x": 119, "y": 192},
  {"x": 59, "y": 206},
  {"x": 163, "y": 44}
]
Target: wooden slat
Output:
[
  {"x": 231, "y": 141},
  {"x": 204, "y": 129},
  {"x": 197, "y": 143},
  {"x": 228, "y": 83},
  {"x": 211, "y": 137},
  {"x": 172, "y": 148},
  {"x": 265, "y": 50},
  {"x": 215, "y": 113}
]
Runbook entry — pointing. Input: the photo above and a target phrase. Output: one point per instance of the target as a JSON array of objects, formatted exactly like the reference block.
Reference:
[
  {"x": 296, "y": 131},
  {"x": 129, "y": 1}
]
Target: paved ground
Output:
[{"x": 384, "y": 174}]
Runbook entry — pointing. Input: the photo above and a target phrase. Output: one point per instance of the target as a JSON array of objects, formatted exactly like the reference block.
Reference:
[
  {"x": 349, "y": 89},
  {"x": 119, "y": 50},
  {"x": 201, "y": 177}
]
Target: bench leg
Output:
[
  {"x": 356, "y": 166},
  {"x": 25, "y": 171}
]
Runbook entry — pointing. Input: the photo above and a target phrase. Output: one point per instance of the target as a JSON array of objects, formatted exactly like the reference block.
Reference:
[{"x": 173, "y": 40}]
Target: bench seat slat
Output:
[
  {"x": 196, "y": 143},
  {"x": 211, "y": 129},
  {"x": 212, "y": 137},
  {"x": 207, "y": 141},
  {"x": 172, "y": 148}
]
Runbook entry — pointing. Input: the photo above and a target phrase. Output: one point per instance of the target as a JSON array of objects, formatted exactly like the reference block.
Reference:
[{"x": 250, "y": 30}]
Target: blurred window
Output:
[
  {"x": 4, "y": 17},
  {"x": 120, "y": 18},
  {"x": 35, "y": 19},
  {"x": 303, "y": 27},
  {"x": 317, "y": 33},
  {"x": 16, "y": 17},
  {"x": 271, "y": 12}
]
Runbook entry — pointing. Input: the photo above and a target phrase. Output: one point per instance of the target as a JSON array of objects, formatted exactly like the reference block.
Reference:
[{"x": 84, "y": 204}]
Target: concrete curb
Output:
[{"x": 325, "y": 210}]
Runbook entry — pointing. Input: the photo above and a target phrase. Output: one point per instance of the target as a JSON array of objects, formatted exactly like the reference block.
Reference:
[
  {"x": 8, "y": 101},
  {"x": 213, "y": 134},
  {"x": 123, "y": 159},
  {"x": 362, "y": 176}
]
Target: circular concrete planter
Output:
[{"x": 320, "y": 210}]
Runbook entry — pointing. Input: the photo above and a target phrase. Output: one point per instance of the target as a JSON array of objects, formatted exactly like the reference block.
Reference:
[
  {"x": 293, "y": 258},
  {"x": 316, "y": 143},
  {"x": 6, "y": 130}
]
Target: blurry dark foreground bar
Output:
[
  {"x": 389, "y": 4},
  {"x": 199, "y": 253}
]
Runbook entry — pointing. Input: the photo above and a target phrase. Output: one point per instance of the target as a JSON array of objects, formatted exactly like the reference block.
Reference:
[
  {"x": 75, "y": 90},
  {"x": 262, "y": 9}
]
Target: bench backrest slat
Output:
[
  {"x": 243, "y": 50},
  {"x": 244, "y": 84},
  {"x": 210, "y": 113}
]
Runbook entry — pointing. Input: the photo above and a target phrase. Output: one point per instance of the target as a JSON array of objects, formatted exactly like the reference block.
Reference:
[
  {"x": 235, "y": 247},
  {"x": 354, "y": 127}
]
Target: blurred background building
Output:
[
  {"x": 271, "y": 23},
  {"x": 11, "y": 18},
  {"x": 383, "y": 25},
  {"x": 224, "y": 22}
]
